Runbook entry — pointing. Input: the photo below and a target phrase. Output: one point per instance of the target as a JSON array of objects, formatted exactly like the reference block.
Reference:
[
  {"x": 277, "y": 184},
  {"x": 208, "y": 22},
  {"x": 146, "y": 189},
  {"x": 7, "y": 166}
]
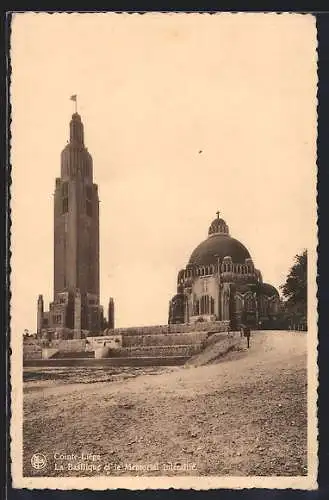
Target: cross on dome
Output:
[{"x": 218, "y": 226}]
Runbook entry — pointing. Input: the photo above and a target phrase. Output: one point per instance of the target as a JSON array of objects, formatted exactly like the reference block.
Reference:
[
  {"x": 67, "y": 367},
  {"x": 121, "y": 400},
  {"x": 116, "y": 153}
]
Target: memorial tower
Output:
[{"x": 76, "y": 305}]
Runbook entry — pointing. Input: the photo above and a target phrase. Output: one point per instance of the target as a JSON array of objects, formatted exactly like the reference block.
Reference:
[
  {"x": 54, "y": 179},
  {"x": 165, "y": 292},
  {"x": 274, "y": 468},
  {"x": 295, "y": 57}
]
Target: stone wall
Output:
[
  {"x": 165, "y": 340},
  {"x": 158, "y": 351},
  {"x": 148, "y": 341},
  {"x": 32, "y": 351},
  {"x": 76, "y": 345},
  {"x": 205, "y": 326},
  {"x": 110, "y": 341}
]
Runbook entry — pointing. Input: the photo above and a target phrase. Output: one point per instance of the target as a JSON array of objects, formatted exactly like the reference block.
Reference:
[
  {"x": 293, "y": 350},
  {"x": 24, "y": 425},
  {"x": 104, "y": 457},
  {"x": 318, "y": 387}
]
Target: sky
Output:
[{"x": 184, "y": 115}]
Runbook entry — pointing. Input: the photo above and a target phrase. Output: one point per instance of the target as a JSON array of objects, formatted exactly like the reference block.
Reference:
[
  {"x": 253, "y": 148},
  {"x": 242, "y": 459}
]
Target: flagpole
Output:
[{"x": 75, "y": 99}]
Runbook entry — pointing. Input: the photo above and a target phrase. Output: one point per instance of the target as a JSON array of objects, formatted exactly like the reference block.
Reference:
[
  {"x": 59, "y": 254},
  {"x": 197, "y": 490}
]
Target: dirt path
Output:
[{"x": 244, "y": 415}]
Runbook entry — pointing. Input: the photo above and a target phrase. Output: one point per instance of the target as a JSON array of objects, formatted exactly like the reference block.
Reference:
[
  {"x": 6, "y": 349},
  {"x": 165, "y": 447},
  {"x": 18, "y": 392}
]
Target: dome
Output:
[
  {"x": 268, "y": 290},
  {"x": 178, "y": 296},
  {"x": 217, "y": 247},
  {"x": 218, "y": 226}
]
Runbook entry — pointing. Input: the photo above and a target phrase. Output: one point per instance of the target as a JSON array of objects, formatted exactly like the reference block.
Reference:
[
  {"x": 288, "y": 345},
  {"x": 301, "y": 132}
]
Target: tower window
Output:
[
  {"x": 65, "y": 205},
  {"x": 65, "y": 189},
  {"x": 89, "y": 208},
  {"x": 88, "y": 192},
  {"x": 57, "y": 319}
]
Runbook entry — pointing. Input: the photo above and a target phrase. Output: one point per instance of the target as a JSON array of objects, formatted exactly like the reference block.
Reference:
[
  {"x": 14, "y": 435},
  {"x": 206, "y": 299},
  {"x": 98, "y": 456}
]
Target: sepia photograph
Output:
[{"x": 164, "y": 239}]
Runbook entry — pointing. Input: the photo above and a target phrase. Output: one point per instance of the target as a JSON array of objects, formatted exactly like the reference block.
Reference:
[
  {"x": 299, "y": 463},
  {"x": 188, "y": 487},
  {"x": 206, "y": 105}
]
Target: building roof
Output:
[
  {"x": 218, "y": 226},
  {"x": 218, "y": 246}
]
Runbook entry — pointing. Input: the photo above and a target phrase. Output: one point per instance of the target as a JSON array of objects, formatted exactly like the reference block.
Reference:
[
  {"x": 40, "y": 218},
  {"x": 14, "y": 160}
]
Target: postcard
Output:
[{"x": 164, "y": 235}]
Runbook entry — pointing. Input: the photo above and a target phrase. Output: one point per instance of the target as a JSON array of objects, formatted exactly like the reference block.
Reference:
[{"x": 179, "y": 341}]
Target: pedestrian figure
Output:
[
  {"x": 242, "y": 330},
  {"x": 247, "y": 335}
]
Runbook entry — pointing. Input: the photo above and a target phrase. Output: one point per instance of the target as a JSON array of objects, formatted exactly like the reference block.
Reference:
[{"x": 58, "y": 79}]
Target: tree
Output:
[{"x": 294, "y": 291}]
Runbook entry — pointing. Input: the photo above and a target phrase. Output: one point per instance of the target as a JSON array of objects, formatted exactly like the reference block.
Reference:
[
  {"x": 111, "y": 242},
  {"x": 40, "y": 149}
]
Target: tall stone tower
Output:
[
  {"x": 76, "y": 219},
  {"x": 76, "y": 242}
]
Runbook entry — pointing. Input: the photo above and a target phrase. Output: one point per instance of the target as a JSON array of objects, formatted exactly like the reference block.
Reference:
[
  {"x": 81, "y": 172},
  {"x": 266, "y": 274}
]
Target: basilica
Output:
[{"x": 221, "y": 283}]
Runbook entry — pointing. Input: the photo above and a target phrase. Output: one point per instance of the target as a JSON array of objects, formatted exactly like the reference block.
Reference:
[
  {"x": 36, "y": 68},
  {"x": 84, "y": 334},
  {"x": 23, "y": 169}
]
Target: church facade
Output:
[
  {"x": 76, "y": 304},
  {"x": 221, "y": 283}
]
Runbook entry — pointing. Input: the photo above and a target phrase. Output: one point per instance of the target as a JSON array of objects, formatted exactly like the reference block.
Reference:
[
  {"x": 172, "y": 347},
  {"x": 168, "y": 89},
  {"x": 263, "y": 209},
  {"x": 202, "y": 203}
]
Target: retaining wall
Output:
[
  {"x": 32, "y": 351},
  {"x": 205, "y": 326},
  {"x": 75, "y": 345},
  {"x": 110, "y": 341},
  {"x": 158, "y": 340},
  {"x": 73, "y": 354},
  {"x": 138, "y": 361},
  {"x": 155, "y": 351},
  {"x": 165, "y": 340}
]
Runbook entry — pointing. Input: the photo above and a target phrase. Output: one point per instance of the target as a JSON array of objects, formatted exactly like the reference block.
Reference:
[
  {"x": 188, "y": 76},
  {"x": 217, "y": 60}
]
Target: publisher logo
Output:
[{"x": 38, "y": 461}]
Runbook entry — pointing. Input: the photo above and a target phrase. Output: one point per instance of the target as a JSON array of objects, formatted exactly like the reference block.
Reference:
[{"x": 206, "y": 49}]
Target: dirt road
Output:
[{"x": 243, "y": 415}]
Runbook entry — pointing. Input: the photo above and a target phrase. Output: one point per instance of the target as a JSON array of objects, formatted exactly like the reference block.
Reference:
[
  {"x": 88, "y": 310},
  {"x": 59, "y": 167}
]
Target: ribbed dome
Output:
[
  {"x": 219, "y": 246},
  {"x": 218, "y": 226}
]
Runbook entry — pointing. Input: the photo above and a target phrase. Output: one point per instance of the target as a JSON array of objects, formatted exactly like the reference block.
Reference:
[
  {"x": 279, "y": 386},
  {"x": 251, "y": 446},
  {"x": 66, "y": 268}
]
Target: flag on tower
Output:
[{"x": 73, "y": 97}]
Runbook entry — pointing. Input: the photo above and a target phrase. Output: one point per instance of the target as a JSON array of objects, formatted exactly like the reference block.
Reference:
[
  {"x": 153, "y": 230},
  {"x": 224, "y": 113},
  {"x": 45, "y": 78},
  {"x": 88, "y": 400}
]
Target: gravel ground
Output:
[{"x": 243, "y": 414}]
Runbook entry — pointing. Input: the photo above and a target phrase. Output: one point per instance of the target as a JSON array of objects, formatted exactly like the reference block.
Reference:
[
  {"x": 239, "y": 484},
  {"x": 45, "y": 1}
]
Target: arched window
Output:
[
  {"x": 238, "y": 303},
  {"x": 196, "y": 308},
  {"x": 249, "y": 304}
]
